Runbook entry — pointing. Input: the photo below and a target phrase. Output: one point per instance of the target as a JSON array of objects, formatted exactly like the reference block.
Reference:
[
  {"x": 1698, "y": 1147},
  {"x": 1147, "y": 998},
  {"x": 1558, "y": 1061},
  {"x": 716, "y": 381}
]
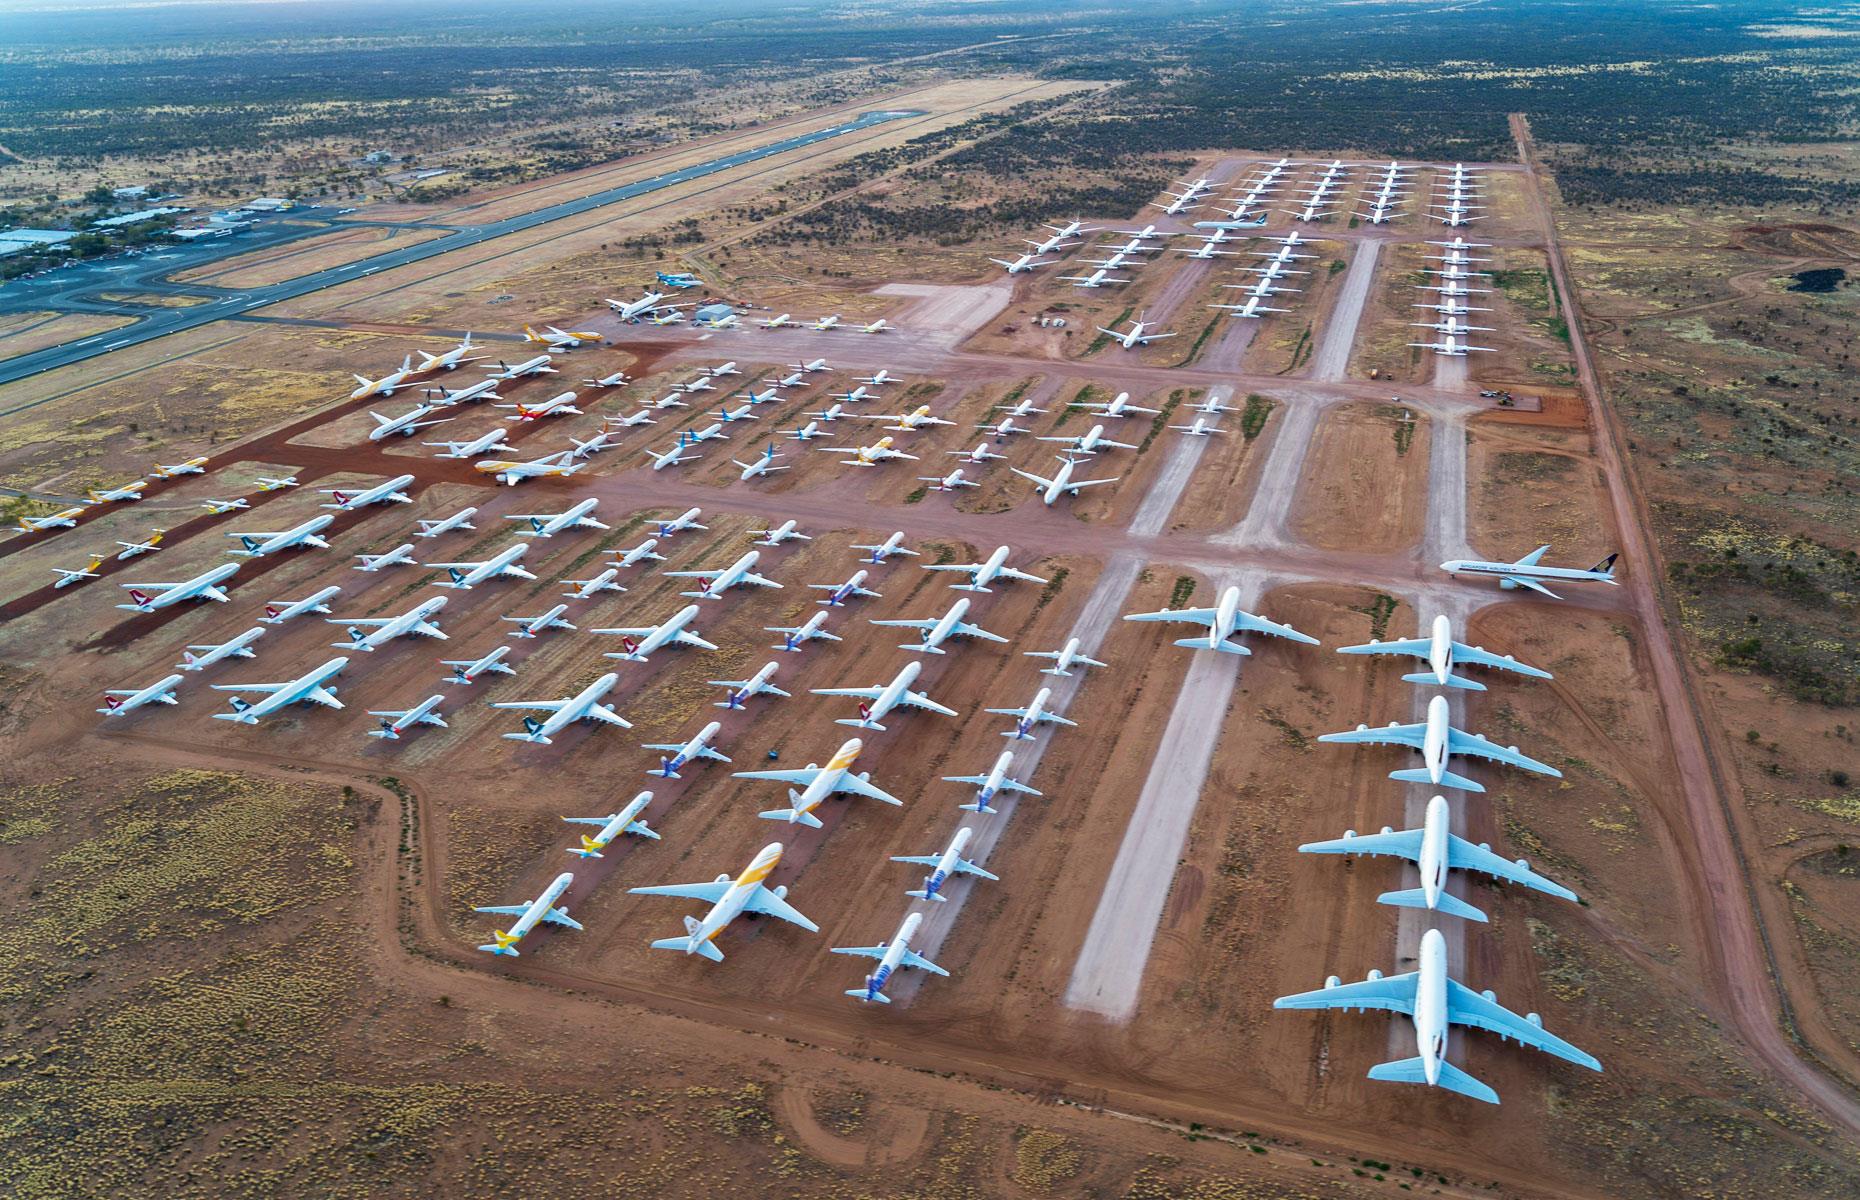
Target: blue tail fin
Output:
[
  {"x": 1410, "y": 1070},
  {"x": 1453, "y": 906},
  {"x": 1453, "y": 681}
]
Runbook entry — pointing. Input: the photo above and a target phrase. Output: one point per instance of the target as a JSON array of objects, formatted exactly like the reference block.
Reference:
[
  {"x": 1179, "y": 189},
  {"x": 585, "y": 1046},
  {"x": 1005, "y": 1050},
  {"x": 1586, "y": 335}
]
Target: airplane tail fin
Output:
[
  {"x": 793, "y": 816},
  {"x": 1607, "y": 565},
  {"x": 1453, "y": 906},
  {"x": 924, "y": 893},
  {"x": 1224, "y": 646},
  {"x": 1447, "y": 779},
  {"x": 868, "y": 994},
  {"x": 1410, "y": 1070},
  {"x": 1453, "y": 681}
]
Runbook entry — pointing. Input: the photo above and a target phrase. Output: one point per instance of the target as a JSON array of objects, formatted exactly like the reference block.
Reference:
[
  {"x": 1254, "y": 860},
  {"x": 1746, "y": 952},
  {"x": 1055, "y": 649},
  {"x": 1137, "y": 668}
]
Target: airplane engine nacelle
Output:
[
  {"x": 1508, "y": 584},
  {"x": 1372, "y": 976},
  {"x": 1485, "y": 845},
  {"x": 723, "y": 879},
  {"x": 781, "y": 893},
  {"x": 1332, "y": 982},
  {"x": 1387, "y": 829},
  {"x": 865, "y": 777},
  {"x": 1513, "y": 749},
  {"x": 1362, "y": 729},
  {"x": 1349, "y": 833},
  {"x": 1534, "y": 1019},
  {"x": 1491, "y": 995},
  {"x": 1524, "y": 864}
]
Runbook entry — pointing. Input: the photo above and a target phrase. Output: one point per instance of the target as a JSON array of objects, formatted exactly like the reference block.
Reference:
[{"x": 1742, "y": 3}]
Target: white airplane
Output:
[
  {"x": 883, "y": 377},
  {"x": 617, "y": 379},
  {"x": 68, "y": 577},
  {"x": 712, "y": 432},
  {"x": 417, "y": 620},
  {"x": 612, "y": 826},
  {"x": 991, "y": 785},
  {"x": 538, "y": 365},
  {"x": 729, "y": 899},
  {"x": 767, "y": 396},
  {"x": 796, "y": 636},
  {"x": 1001, "y": 429},
  {"x": 395, "y": 722},
  {"x": 818, "y": 784},
  {"x": 275, "y": 483},
  {"x": 868, "y": 456},
  {"x": 1210, "y": 248},
  {"x": 858, "y": 395},
  {"x": 811, "y": 366},
  {"x": 120, "y": 702},
  {"x": 640, "y": 641},
  {"x": 132, "y": 549},
  {"x": 780, "y": 322},
  {"x": 584, "y": 705},
  {"x": 948, "y": 483},
  {"x": 1212, "y": 407},
  {"x": 484, "y": 389},
  {"x": 918, "y": 418},
  {"x": 714, "y": 583},
  {"x": 633, "y": 310},
  {"x": 696, "y": 749},
  {"x": 642, "y": 417},
  {"x": 549, "y": 524},
  {"x": 667, "y": 316},
  {"x": 467, "y": 575},
  {"x": 1098, "y": 278},
  {"x": 1527, "y": 573},
  {"x": 193, "y": 466},
  {"x": 401, "y": 555},
  {"x": 1453, "y": 347},
  {"x": 1139, "y": 335},
  {"x": 63, "y": 519},
  {"x": 984, "y": 573},
  {"x": 791, "y": 379},
  {"x": 1090, "y": 442},
  {"x": 937, "y": 630},
  {"x": 885, "y": 549},
  {"x": 728, "y": 368},
  {"x": 559, "y": 340},
  {"x": 450, "y": 360},
  {"x": 687, "y": 519},
  {"x": 1443, "y": 654},
  {"x": 1146, "y": 234},
  {"x": 1434, "y": 1002},
  {"x": 388, "y": 492},
  {"x": 587, "y": 589},
  {"x": 529, "y": 627},
  {"x": 128, "y": 491},
  {"x": 978, "y": 456},
  {"x": 1120, "y": 406},
  {"x": 562, "y": 404},
  {"x": 726, "y": 321},
  {"x": 1065, "y": 657},
  {"x": 606, "y": 438},
  {"x": 1201, "y": 427},
  {"x": 646, "y": 551},
  {"x": 385, "y": 385},
  {"x": 882, "y": 698},
  {"x": 1224, "y": 620},
  {"x": 485, "y": 443},
  {"x": 312, "y": 687},
  {"x": 530, "y": 915},
  {"x": 943, "y": 866},
  {"x": 1255, "y": 305},
  {"x": 701, "y": 384},
  {"x": 1051, "y": 245},
  {"x": 892, "y": 956},
  {"x": 1021, "y": 263},
  {"x": 827, "y": 415},
  {"x": 879, "y": 326},
  {"x": 826, "y": 323},
  {"x": 1062, "y": 483},
  {"x": 1027, "y": 719},
  {"x": 458, "y": 520},
  {"x": 511, "y": 472},
  {"x": 785, "y": 532},
  {"x": 406, "y": 424},
  {"x": 1451, "y": 325},
  {"x": 1438, "y": 741},
  {"x": 670, "y": 401},
  {"x": 152, "y": 597},
  {"x": 280, "y": 611},
  {"x": 1071, "y": 228},
  {"x": 467, "y": 670},
  {"x": 760, "y": 466},
  {"x": 744, "y": 690},
  {"x": 730, "y": 416},
  {"x": 662, "y": 459},
  {"x": 1435, "y": 850}
]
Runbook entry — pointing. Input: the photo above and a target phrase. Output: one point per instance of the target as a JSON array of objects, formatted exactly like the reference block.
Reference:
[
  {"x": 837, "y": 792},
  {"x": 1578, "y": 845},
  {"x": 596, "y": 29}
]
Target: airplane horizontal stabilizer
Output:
[
  {"x": 1201, "y": 643},
  {"x": 1453, "y": 681},
  {"x": 1447, "y": 779},
  {"x": 792, "y": 816},
  {"x": 1453, "y": 906},
  {"x": 859, "y": 993},
  {"x": 683, "y": 944},
  {"x": 1410, "y": 1070}
]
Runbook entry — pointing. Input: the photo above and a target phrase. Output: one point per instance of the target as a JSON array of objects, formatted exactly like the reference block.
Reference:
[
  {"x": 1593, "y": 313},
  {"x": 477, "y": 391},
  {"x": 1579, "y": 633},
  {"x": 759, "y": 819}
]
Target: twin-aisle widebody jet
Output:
[
  {"x": 612, "y": 827},
  {"x": 394, "y": 722},
  {"x": 881, "y": 699},
  {"x": 1062, "y": 483},
  {"x": 984, "y": 573},
  {"x": 818, "y": 784},
  {"x": 312, "y": 687},
  {"x": 385, "y": 385},
  {"x": 258, "y": 545},
  {"x": 401, "y": 555},
  {"x": 505, "y": 372},
  {"x": 458, "y": 520},
  {"x": 528, "y": 916},
  {"x": 388, "y": 492},
  {"x": 484, "y": 389},
  {"x": 153, "y": 597},
  {"x": 419, "y": 620},
  {"x": 200, "y": 657},
  {"x": 562, "y": 404},
  {"x": 633, "y": 310},
  {"x": 944, "y": 866},
  {"x": 1443, "y": 654},
  {"x": 485, "y": 443},
  {"x": 892, "y": 956},
  {"x": 1438, "y": 741},
  {"x": 1224, "y": 620},
  {"x": 544, "y": 525},
  {"x": 937, "y": 630},
  {"x": 467, "y": 575},
  {"x": 584, "y": 705},
  {"x": 536, "y": 626},
  {"x": 1528, "y": 572},
  {"x": 1024, "y": 262},
  {"x": 449, "y": 360},
  {"x": 511, "y": 472},
  {"x": 741, "y": 691},
  {"x": 641, "y": 640},
  {"x": 729, "y": 899},
  {"x": 1435, "y": 1002},
  {"x": 1139, "y": 334},
  {"x": 714, "y": 583},
  {"x": 467, "y": 670},
  {"x": 120, "y": 702},
  {"x": 1064, "y": 659},
  {"x": 991, "y": 785},
  {"x": 1435, "y": 849},
  {"x": 279, "y": 611},
  {"x": 404, "y": 425}
]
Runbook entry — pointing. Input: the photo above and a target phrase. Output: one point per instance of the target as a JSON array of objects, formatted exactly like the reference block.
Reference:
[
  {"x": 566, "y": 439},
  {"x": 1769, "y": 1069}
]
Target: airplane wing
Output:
[
  {"x": 687, "y": 638},
  {"x": 266, "y": 688},
  {"x": 1011, "y": 573},
  {"x": 375, "y": 621},
  {"x": 758, "y": 580},
  {"x": 914, "y": 959},
  {"x": 1533, "y": 558},
  {"x": 1418, "y": 647},
  {"x": 976, "y": 631},
  {"x": 864, "y": 693},
  {"x": 548, "y": 706},
  {"x": 765, "y": 901},
  {"x": 1404, "y": 844},
  {"x": 1462, "y": 653},
  {"x": 1393, "y": 994},
  {"x": 1193, "y": 616},
  {"x": 1465, "y": 856},
  {"x": 1387, "y": 735},
  {"x": 1479, "y": 746},
  {"x": 859, "y": 787},
  {"x": 1536, "y": 585},
  {"x": 606, "y": 715},
  {"x": 710, "y": 893},
  {"x": 952, "y": 566},
  {"x": 1039, "y": 479},
  {"x": 1467, "y": 1007},
  {"x": 799, "y": 776},
  {"x": 919, "y": 700},
  {"x": 1007, "y": 785},
  {"x": 925, "y": 623},
  {"x": 1247, "y": 622}
]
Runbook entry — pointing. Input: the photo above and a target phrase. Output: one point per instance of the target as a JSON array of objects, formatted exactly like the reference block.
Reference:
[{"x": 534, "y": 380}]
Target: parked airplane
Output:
[
  {"x": 420, "y": 619},
  {"x": 584, "y": 705},
  {"x": 825, "y": 416},
  {"x": 511, "y": 472},
  {"x": 679, "y": 279},
  {"x": 193, "y": 466},
  {"x": 128, "y": 491},
  {"x": 559, "y": 340},
  {"x": 1098, "y": 278},
  {"x": 1224, "y": 620},
  {"x": 796, "y": 636},
  {"x": 991, "y": 785},
  {"x": 1527, "y": 573},
  {"x": 947, "y": 483},
  {"x": 562, "y": 404},
  {"x": 882, "y": 698},
  {"x": 868, "y": 456},
  {"x": 1021, "y": 263},
  {"x": 1067, "y": 656},
  {"x": 312, "y": 687},
  {"x": 1438, "y": 741},
  {"x": 892, "y": 956},
  {"x": 880, "y": 379},
  {"x": 617, "y": 379},
  {"x": 1434, "y": 1002},
  {"x": 530, "y": 915},
  {"x": 273, "y": 483},
  {"x": 858, "y": 395},
  {"x": 395, "y": 722},
  {"x": 943, "y": 866},
  {"x": 1002, "y": 428},
  {"x": 385, "y": 385},
  {"x": 1435, "y": 850},
  {"x": 918, "y": 418},
  {"x": 811, "y": 366},
  {"x": 486, "y": 443},
  {"x": 1254, "y": 307},
  {"x": 1022, "y": 407},
  {"x": 484, "y": 389},
  {"x": 730, "y": 416},
  {"x": 662, "y": 459},
  {"x": 467, "y": 575},
  {"x": 467, "y": 670},
  {"x": 66, "y": 577},
  {"x": 549, "y": 524},
  {"x": 401, "y": 555},
  {"x": 784, "y": 532},
  {"x": 280, "y": 611},
  {"x": 1027, "y": 719},
  {"x": 612, "y": 826},
  {"x": 529, "y": 627},
  {"x": 606, "y": 438},
  {"x": 879, "y": 326},
  {"x": 1139, "y": 335},
  {"x": 744, "y": 690},
  {"x": 538, "y": 365},
  {"x": 450, "y": 359},
  {"x": 937, "y": 630},
  {"x": 1201, "y": 427},
  {"x": 885, "y": 549},
  {"x": 729, "y": 899},
  {"x": 405, "y": 425},
  {"x": 826, "y": 323},
  {"x": 978, "y": 456},
  {"x": 641, "y": 640},
  {"x": 1120, "y": 406},
  {"x": 458, "y": 520},
  {"x": 587, "y": 589},
  {"x": 63, "y": 519},
  {"x": 1090, "y": 442},
  {"x": 1062, "y": 483},
  {"x": 780, "y": 322},
  {"x": 120, "y": 702},
  {"x": 388, "y": 492},
  {"x": 984, "y": 573},
  {"x": 646, "y": 551},
  {"x": 1451, "y": 346},
  {"x": 684, "y": 520},
  {"x": 633, "y": 310},
  {"x": 152, "y": 597},
  {"x": 1443, "y": 654},
  {"x": 818, "y": 784},
  {"x": 714, "y": 583}
]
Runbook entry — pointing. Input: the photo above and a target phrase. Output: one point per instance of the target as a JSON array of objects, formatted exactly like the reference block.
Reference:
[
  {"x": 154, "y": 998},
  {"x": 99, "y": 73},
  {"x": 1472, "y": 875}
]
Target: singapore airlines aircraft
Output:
[
  {"x": 729, "y": 899},
  {"x": 1526, "y": 572}
]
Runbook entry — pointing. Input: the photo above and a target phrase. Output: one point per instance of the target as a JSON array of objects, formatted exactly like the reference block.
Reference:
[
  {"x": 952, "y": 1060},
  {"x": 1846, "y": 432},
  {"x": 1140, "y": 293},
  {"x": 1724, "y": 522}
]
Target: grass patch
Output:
[
  {"x": 1183, "y": 589},
  {"x": 1161, "y": 419},
  {"x": 922, "y": 491},
  {"x": 1379, "y": 611},
  {"x": 1076, "y": 404},
  {"x": 1201, "y": 339},
  {"x": 1098, "y": 343},
  {"x": 1253, "y": 416},
  {"x": 1052, "y": 588}
]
